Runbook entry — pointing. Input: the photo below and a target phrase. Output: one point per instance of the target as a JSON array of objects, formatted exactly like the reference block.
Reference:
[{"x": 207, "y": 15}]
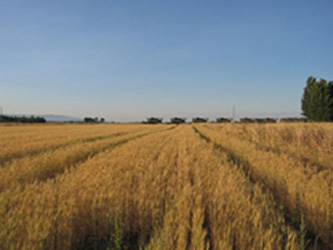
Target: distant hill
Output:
[{"x": 61, "y": 118}]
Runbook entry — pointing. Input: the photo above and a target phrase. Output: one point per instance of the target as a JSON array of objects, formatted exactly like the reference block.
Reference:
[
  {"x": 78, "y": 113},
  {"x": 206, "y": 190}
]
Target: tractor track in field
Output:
[
  {"x": 132, "y": 240},
  {"x": 6, "y": 160},
  {"x": 304, "y": 160},
  {"x": 314, "y": 242},
  {"x": 61, "y": 169},
  {"x": 109, "y": 146}
]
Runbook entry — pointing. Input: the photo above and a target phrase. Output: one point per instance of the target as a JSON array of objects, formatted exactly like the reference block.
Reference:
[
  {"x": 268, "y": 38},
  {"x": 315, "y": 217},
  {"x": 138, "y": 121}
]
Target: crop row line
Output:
[
  {"x": 294, "y": 219},
  {"x": 305, "y": 161},
  {"x": 5, "y": 160},
  {"x": 50, "y": 164}
]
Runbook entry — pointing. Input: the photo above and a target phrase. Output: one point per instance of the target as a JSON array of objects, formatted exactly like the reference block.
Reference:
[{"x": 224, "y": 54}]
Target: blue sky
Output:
[{"x": 127, "y": 60}]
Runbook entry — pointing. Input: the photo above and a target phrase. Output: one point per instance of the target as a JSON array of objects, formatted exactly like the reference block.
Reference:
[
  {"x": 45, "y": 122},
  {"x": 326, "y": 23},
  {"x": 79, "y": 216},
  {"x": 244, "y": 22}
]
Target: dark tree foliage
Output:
[
  {"x": 222, "y": 120},
  {"x": 293, "y": 119},
  {"x": 330, "y": 91},
  {"x": 154, "y": 120},
  {"x": 258, "y": 120},
  {"x": 264, "y": 120},
  {"x": 177, "y": 120},
  {"x": 246, "y": 120},
  {"x": 93, "y": 120},
  {"x": 90, "y": 120},
  {"x": 270, "y": 120},
  {"x": 317, "y": 101},
  {"x": 22, "y": 119},
  {"x": 199, "y": 119}
]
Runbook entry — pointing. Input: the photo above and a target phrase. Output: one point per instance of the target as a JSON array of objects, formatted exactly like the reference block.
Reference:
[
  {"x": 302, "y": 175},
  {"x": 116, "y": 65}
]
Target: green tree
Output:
[
  {"x": 199, "y": 119},
  {"x": 223, "y": 120},
  {"x": 317, "y": 101},
  {"x": 306, "y": 100},
  {"x": 177, "y": 120},
  {"x": 154, "y": 120},
  {"x": 89, "y": 120}
]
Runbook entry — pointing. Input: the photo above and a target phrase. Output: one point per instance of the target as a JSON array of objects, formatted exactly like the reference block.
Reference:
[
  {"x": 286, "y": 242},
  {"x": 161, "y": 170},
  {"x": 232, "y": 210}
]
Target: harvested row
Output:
[
  {"x": 167, "y": 190},
  {"x": 304, "y": 192},
  {"x": 41, "y": 167},
  {"x": 50, "y": 137},
  {"x": 310, "y": 143}
]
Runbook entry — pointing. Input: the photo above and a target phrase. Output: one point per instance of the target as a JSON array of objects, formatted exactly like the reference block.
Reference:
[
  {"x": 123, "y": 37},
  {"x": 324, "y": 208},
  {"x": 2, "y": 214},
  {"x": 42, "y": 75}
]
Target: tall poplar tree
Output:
[{"x": 317, "y": 101}]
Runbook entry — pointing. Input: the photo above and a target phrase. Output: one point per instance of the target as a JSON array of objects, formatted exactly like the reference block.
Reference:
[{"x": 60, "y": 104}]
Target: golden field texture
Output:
[{"x": 199, "y": 186}]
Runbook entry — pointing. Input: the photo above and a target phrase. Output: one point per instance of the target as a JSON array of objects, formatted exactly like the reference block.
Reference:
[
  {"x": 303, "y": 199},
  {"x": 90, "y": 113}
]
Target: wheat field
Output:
[{"x": 191, "y": 186}]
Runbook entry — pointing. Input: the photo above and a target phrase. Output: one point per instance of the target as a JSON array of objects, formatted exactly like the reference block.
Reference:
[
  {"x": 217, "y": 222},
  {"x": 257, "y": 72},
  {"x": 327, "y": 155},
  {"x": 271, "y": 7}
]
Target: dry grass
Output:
[{"x": 155, "y": 187}]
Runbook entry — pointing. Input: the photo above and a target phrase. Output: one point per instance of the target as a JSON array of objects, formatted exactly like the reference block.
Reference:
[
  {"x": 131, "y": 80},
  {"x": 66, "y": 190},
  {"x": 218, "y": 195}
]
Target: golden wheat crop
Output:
[
  {"x": 310, "y": 143},
  {"x": 165, "y": 187},
  {"x": 301, "y": 187},
  {"x": 18, "y": 141}
]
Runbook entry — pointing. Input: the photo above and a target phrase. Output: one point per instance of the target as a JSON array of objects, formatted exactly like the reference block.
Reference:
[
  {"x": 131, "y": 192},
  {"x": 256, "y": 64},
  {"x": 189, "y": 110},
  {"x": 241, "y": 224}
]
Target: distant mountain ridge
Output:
[{"x": 61, "y": 118}]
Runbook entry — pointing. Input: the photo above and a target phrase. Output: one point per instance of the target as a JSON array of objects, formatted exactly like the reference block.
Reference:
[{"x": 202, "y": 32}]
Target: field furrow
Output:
[
  {"x": 67, "y": 208},
  {"x": 310, "y": 144},
  {"x": 47, "y": 165},
  {"x": 33, "y": 142},
  {"x": 305, "y": 193},
  {"x": 215, "y": 207}
]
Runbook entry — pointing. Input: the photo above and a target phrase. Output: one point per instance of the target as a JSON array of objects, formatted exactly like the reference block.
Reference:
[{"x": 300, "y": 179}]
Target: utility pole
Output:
[{"x": 233, "y": 113}]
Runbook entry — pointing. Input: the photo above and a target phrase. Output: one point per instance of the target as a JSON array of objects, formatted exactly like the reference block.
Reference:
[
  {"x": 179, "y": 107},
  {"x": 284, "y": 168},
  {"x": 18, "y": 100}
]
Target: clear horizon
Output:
[
  {"x": 167, "y": 118},
  {"x": 126, "y": 61}
]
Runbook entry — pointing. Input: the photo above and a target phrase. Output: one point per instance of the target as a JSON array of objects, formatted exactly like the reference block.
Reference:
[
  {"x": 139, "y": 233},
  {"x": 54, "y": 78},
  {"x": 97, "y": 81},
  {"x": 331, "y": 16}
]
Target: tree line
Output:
[
  {"x": 93, "y": 120},
  {"x": 22, "y": 119},
  {"x": 180, "y": 120},
  {"x": 317, "y": 106}
]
